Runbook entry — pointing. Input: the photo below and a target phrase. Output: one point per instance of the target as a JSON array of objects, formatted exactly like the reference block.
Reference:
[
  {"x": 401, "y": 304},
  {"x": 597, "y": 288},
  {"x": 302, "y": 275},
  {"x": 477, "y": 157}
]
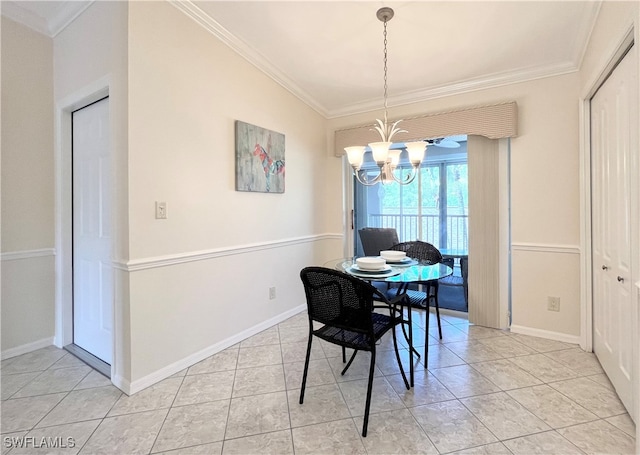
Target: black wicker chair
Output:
[
  {"x": 344, "y": 305},
  {"x": 375, "y": 240},
  {"x": 425, "y": 253},
  {"x": 455, "y": 280}
]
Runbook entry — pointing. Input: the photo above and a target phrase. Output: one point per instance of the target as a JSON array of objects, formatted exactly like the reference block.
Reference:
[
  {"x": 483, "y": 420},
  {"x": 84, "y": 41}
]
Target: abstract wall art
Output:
[{"x": 259, "y": 159}]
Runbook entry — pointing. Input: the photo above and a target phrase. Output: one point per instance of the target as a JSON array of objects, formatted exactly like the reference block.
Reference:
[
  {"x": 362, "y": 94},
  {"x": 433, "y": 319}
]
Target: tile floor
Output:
[{"x": 485, "y": 392}]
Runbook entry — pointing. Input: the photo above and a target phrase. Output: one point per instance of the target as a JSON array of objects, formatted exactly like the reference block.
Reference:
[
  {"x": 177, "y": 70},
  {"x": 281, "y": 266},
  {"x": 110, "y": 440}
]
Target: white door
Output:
[
  {"x": 613, "y": 121},
  {"x": 92, "y": 270}
]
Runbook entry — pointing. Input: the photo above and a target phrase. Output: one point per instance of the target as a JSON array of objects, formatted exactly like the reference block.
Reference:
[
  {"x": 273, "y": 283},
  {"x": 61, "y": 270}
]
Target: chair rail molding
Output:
[
  {"x": 545, "y": 248},
  {"x": 182, "y": 258},
  {"x": 27, "y": 254}
]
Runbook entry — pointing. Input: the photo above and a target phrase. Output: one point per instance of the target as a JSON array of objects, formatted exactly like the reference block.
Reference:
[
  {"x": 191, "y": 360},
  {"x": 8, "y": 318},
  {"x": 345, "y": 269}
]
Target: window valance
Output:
[{"x": 492, "y": 121}]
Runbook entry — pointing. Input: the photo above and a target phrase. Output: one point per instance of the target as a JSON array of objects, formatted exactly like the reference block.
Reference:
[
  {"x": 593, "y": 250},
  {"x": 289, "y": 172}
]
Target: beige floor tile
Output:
[
  {"x": 496, "y": 448},
  {"x": 93, "y": 379},
  {"x": 596, "y": 398},
  {"x": 450, "y": 333},
  {"x": 126, "y": 434},
  {"x": 546, "y": 443},
  {"x": 395, "y": 432},
  {"x": 266, "y": 337},
  {"x": 264, "y": 379},
  {"x": 543, "y": 367},
  {"x": 427, "y": 389},
  {"x": 319, "y": 373},
  {"x": 200, "y": 388},
  {"x": 476, "y": 332},
  {"x": 81, "y": 405},
  {"x": 541, "y": 344},
  {"x": 507, "y": 346},
  {"x": 623, "y": 422},
  {"x": 505, "y": 374},
  {"x": 505, "y": 417},
  {"x": 339, "y": 436},
  {"x": 23, "y": 413},
  {"x": 53, "y": 381},
  {"x": 62, "y": 439},
  {"x": 158, "y": 396},
  {"x": 38, "y": 360},
  {"x": 256, "y": 356},
  {"x": 359, "y": 369},
  {"x": 321, "y": 404},
  {"x": 464, "y": 381},
  {"x": 583, "y": 363},
  {"x": 275, "y": 443},
  {"x": 383, "y": 397},
  {"x": 450, "y": 426},
  {"x": 552, "y": 407},
  {"x": 297, "y": 352},
  {"x": 599, "y": 437},
  {"x": 10, "y": 441},
  {"x": 257, "y": 414},
  {"x": 193, "y": 425},
  {"x": 440, "y": 356},
  {"x": 222, "y": 361},
  {"x": 205, "y": 414},
  {"x": 68, "y": 361},
  {"x": 11, "y": 383},
  {"x": 214, "y": 448}
]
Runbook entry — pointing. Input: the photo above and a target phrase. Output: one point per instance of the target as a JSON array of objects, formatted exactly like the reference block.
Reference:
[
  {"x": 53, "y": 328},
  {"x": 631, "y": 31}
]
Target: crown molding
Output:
[
  {"x": 247, "y": 52},
  {"x": 25, "y": 17},
  {"x": 457, "y": 88},
  {"x": 50, "y": 27}
]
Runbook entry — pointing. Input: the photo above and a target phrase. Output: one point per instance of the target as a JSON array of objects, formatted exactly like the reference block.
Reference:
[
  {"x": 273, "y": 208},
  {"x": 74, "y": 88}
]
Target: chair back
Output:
[
  {"x": 375, "y": 240},
  {"x": 337, "y": 299},
  {"x": 423, "y": 252}
]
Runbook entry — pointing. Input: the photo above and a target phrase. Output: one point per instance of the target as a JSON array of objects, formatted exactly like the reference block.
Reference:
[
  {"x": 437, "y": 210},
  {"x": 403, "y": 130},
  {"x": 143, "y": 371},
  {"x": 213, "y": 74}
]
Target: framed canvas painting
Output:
[{"x": 259, "y": 159}]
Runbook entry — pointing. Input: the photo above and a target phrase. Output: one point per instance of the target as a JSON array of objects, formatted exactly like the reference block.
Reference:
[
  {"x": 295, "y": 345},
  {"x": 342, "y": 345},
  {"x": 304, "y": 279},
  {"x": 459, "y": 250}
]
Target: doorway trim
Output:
[
  {"x": 586, "y": 299},
  {"x": 63, "y": 211}
]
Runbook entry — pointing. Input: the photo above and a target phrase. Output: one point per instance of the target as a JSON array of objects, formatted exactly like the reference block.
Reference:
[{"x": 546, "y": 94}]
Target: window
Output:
[{"x": 433, "y": 208}]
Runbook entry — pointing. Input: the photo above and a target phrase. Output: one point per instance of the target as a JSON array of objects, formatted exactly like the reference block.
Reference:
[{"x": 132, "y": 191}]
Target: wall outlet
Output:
[
  {"x": 272, "y": 293},
  {"x": 553, "y": 303},
  {"x": 161, "y": 210}
]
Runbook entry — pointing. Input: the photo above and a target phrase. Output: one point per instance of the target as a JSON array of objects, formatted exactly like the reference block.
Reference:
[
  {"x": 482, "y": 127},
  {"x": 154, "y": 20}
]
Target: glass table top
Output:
[{"x": 411, "y": 273}]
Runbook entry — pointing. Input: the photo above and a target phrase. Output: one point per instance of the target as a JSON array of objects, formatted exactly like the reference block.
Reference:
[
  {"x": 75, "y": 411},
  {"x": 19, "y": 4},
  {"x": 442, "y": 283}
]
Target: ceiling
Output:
[{"x": 330, "y": 53}]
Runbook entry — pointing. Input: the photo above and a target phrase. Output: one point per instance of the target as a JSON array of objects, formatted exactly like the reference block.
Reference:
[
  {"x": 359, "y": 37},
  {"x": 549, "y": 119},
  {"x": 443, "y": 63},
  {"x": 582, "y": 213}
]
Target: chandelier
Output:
[{"x": 386, "y": 159}]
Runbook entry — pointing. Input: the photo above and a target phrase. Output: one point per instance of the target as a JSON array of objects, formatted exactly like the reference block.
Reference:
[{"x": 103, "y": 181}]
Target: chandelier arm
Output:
[
  {"x": 361, "y": 177},
  {"x": 410, "y": 177}
]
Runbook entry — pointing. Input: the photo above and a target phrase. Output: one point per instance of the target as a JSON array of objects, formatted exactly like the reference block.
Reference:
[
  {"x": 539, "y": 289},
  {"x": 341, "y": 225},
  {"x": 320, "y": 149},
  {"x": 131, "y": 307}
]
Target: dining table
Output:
[{"x": 399, "y": 275}]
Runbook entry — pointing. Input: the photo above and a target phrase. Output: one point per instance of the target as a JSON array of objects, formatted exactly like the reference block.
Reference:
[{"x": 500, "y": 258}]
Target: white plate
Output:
[
  {"x": 404, "y": 261},
  {"x": 369, "y": 275},
  {"x": 385, "y": 268}
]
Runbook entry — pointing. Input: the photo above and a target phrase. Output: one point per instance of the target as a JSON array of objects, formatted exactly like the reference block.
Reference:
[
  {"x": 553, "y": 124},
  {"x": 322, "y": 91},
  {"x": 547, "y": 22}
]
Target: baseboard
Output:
[
  {"x": 25, "y": 348},
  {"x": 163, "y": 373},
  {"x": 556, "y": 336}
]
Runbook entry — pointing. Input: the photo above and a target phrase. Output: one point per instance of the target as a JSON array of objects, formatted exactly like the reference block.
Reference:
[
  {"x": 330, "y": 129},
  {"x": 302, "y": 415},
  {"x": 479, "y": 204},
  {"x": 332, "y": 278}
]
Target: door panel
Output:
[
  {"x": 92, "y": 269},
  {"x": 612, "y": 124}
]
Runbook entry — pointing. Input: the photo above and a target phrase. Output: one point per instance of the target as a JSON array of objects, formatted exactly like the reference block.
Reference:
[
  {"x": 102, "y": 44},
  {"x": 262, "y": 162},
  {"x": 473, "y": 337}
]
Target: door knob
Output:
[
  {"x": 604, "y": 267},
  {"x": 620, "y": 279}
]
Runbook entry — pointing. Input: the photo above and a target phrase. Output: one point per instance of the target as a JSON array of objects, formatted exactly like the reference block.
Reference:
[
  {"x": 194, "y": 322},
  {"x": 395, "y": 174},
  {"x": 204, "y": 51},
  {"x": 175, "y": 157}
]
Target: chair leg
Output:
[
  {"x": 395, "y": 346},
  {"x": 435, "y": 299},
  {"x": 367, "y": 405},
  {"x": 349, "y": 364},
  {"x": 306, "y": 368},
  {"x": 344, "y": 354}
]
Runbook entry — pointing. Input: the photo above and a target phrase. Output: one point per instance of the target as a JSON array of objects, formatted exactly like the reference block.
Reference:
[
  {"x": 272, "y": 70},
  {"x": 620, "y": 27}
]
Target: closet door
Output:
[{"x": 613, "y": 122}]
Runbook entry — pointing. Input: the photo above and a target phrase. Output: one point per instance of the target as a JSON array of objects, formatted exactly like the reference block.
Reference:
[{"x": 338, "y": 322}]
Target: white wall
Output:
[
  {"x": 225, "y": 248},
  {"x": 27, "y": 190},
  {"x": 544, "y": 195}
]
